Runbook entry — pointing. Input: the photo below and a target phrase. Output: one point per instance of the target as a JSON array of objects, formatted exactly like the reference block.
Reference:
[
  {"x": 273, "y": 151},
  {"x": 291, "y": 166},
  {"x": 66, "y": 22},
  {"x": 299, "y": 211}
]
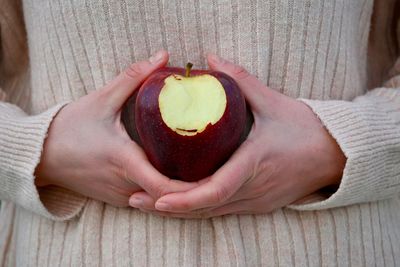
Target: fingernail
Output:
[
  {"x": 156, "y": 57},
  {"x": 136, "y": 202},
  {"x": 214, "y": 58},
  {"x": 162, "y": 206}
]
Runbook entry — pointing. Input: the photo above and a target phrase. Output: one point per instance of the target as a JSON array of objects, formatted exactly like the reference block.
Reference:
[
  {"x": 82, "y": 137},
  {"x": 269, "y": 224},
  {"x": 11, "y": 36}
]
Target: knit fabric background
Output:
[{"x": 335, "y": 55}]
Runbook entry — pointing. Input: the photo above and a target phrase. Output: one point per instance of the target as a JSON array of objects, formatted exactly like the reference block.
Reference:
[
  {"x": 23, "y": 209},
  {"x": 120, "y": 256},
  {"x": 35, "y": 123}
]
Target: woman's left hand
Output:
[{"x": 287, "y": 156}]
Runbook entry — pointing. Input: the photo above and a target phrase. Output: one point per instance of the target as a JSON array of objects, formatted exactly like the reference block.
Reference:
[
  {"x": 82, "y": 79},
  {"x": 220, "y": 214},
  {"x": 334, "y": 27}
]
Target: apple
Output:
[{"x": 188, "y": 122}]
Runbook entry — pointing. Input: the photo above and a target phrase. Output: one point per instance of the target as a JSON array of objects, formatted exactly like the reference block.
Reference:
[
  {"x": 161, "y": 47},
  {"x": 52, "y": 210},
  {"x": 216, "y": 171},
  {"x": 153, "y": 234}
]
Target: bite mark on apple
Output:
[{"x": 189, "y": 104}]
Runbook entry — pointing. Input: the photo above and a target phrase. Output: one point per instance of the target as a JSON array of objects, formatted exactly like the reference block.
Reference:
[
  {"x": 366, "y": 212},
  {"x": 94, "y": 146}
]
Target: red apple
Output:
[{"x": 189, "y": 122}]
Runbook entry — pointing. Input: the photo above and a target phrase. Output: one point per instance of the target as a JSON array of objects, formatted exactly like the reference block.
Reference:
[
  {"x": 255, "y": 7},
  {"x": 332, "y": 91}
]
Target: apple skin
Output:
[{"x": 187, "y": 158}]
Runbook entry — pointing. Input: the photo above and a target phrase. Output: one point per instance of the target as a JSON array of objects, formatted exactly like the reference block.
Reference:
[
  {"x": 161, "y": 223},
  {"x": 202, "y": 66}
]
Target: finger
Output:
[
  {"x": 142, "y": 200},
  {"x": 225, "y": 210},
  {"x": 237, "y": 207},
  {"x": 220, "y": 187},
  {"x": 175, "y": 215},
  {"x": 255, "y": 92},
  {"x": 123, "y": 86},
  {"x": 137, "y": 169}
]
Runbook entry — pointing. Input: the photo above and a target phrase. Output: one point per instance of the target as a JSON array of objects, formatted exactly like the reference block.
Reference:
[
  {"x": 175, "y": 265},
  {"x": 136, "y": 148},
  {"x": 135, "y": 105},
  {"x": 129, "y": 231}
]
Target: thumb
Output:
[
  {"x": 123, "y": 86},
  {"x": 255, "y": 92}
]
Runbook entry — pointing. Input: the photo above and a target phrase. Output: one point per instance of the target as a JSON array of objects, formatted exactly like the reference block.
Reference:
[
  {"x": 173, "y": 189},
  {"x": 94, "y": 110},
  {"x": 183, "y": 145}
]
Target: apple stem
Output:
[{"x": 188, "y": 68}]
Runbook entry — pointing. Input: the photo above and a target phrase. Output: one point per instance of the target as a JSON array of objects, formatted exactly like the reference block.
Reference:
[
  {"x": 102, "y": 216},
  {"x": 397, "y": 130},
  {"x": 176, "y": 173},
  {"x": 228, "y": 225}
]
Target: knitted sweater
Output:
[{"x": 336, "y": 55}]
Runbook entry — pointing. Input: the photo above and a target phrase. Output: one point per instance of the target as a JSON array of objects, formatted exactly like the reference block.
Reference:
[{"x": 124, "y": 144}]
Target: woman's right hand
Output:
[{"x": 88, "y": 150}]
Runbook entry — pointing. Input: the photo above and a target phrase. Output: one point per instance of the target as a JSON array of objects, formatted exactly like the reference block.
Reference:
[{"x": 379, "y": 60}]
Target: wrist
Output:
[
  {"x": 333, "y": 158},
  {"x": 337, "y": 166},
  {"x": 47, "y": 169},
  {"x": 325, "y": 153},
  {"x": 44, "y": 172},
  {"x": 40, "y": 179}
]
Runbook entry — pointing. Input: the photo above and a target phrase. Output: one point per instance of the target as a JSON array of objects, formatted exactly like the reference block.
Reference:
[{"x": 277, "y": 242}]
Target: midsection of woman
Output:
[
  {"x": 308, "y": 49},
  {"x": 361, "y": 235}
]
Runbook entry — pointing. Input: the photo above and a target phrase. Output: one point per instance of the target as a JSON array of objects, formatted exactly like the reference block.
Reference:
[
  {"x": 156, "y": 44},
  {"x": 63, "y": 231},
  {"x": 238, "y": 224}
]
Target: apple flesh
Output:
[{"x": 189, "y": 122}]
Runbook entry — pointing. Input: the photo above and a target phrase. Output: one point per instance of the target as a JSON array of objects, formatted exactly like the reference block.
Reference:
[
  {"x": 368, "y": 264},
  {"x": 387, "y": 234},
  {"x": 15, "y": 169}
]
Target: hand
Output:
[
  {"x": 88, "y": 150},
  {"x": 288, "y": 155}
]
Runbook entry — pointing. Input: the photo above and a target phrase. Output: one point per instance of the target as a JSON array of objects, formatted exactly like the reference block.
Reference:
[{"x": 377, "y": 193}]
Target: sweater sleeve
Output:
[
  {"x": 368, "y": 132},
  {"x": 21, "y": 144},
  {"x": 367, "y": 129},
  {"x": 22, "y": 135}
]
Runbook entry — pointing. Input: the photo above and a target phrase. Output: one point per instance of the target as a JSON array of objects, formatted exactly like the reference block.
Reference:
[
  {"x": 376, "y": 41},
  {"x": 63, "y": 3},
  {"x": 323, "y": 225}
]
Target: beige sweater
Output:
[{"x": 333, "y": 52}]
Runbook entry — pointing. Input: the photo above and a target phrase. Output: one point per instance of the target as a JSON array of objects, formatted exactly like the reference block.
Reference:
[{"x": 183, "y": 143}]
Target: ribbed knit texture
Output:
[
  {"x": 21, "y": 142},
  {"x": 313, "y": 50},
  {"x": 368, "y": 131}
]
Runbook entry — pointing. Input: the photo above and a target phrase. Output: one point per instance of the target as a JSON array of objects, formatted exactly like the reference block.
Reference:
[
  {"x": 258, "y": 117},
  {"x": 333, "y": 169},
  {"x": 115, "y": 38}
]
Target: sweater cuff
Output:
[
  {"x": 21, "y": 144},
  {"x": 367, "y": 132}
]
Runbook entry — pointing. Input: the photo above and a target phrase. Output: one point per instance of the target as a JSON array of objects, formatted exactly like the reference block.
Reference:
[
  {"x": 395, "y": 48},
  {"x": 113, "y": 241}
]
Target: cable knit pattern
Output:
[{"x": 326, "y": 53}]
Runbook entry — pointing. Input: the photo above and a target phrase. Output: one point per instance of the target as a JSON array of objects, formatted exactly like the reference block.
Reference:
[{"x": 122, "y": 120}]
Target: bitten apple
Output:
[{"x": 188, "y": 122}]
